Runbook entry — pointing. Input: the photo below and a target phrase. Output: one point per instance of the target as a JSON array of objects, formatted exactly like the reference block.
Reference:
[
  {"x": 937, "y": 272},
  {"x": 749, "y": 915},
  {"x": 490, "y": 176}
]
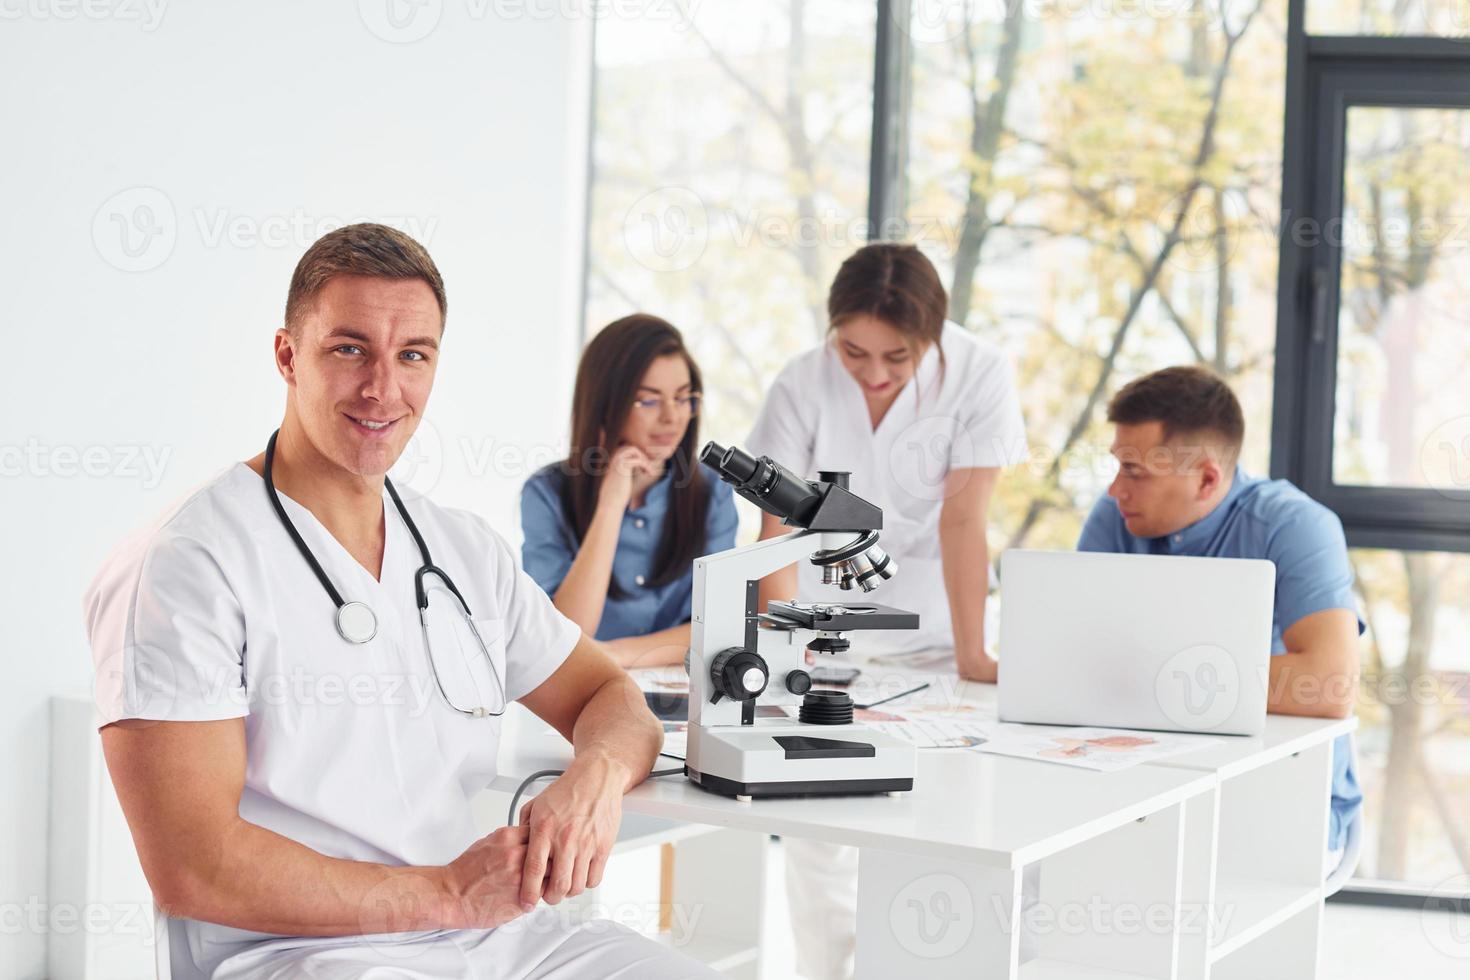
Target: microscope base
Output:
[
  {"x": 780, "y": 758},
  {"x": 830, "y": 787}
]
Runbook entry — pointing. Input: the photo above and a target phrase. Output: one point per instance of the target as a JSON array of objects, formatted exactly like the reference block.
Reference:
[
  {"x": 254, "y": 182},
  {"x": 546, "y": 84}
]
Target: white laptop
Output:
[{"x": 1135, "y": 641}]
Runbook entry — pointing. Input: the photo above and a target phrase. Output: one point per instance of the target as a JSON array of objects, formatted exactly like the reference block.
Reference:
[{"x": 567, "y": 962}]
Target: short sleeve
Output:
[
  {"x": 782, "y": 430},
  {"x": 723, "y": 519},
  {"x": 167, "y": 634},
  {"x": 547, "y": 548},
  {"x": 992, "y": 431},
  {"x": 538, "y": 638},
  {"x": 1102, "y": 529},
  {"x": 1313, "y": 573}
]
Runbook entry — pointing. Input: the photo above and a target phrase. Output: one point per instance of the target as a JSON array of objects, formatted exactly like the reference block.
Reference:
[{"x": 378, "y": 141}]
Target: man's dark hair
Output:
[
  {"x": 1189, "y": 401},
  {"x": 359, "y": 250}
]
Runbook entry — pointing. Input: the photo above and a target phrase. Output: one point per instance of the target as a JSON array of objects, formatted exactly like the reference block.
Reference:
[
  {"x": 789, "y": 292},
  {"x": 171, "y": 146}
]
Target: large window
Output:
[
  {"x": 1449, "y": 18},
  {"x": 1414, "y": 739},
  {"x": 1102, "y": 194},
  {"x": 1403, "y": 319},
  {"x": 1371, "y": 415},
  {"x": 730, "y": 163},
  {"x": 1270, "y": 187}
]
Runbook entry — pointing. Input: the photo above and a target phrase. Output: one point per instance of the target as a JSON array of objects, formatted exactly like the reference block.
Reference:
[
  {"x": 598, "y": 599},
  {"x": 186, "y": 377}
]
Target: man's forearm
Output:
[
  {"x": 264, "y": 882},
  {"x": 1314, "y": 684},
  {"x": 1318, "y": 675},
  {"x": 616, "y": 727}
]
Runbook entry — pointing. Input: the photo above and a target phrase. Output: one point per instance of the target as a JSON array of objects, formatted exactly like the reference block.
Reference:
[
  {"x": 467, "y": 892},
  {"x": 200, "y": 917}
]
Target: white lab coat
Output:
[
  {"x": 815, "y": 418},
  {"x": 213, "y": 614}
]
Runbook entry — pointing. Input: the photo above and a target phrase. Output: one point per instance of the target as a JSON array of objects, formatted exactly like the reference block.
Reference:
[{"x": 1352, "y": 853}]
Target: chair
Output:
[{"x": 1352, "y": 845}]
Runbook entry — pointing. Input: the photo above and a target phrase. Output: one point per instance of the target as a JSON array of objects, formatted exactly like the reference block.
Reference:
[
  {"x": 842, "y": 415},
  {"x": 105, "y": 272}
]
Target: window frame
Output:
[{"x": 1326, "y": 75}]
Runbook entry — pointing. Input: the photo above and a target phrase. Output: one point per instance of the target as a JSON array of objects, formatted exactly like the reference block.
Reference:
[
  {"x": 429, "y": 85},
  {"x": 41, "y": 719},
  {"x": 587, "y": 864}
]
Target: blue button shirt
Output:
[
  {"x": 551, "y": 545},
  {"x": 1269, "y": 519}
]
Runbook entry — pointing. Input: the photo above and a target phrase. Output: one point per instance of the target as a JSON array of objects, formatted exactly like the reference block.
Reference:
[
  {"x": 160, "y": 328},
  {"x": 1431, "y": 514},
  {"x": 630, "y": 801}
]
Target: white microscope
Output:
[{"x": 741, "y": 661}]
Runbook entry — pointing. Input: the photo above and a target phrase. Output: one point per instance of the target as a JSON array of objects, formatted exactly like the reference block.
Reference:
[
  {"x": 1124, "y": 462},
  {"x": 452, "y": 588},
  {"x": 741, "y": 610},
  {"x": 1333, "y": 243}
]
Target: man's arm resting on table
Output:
[
  {"x": 180, "y": 782},
  {"x": 1318, "y": 675},
  {"x": 574, "y": 822}
]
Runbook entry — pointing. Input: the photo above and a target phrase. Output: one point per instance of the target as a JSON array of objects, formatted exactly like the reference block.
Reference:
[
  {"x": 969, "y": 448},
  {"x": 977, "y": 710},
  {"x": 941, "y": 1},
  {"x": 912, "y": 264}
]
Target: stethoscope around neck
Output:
[{"x": 356, "y": 622}]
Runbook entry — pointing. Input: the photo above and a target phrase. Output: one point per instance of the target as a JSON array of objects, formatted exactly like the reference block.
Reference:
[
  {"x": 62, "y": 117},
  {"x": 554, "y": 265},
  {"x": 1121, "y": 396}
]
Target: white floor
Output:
[
  {"x": 1360, "y": 942},
  {"x": 1366, "y": 943}
]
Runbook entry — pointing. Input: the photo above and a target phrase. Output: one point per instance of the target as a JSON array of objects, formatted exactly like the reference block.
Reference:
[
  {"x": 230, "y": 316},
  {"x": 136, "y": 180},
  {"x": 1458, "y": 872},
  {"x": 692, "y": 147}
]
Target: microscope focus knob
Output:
[{"x": 739, "y": 674}]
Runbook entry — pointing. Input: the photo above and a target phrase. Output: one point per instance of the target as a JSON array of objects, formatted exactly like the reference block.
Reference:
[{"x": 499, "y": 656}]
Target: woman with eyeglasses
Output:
[{"x": 611, "y": 531}]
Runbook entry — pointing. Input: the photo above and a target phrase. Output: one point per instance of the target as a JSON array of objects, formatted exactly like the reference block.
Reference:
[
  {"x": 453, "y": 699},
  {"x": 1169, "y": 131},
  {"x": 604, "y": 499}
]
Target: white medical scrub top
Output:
[
  {"x": 815, "y": 418},
  {"x": 212, "y": 613}
]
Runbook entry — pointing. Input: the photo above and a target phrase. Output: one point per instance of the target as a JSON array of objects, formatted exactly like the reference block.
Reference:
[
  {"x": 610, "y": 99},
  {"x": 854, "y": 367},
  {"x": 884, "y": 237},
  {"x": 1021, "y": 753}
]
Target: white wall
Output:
[{"x": 250, "y": 122}]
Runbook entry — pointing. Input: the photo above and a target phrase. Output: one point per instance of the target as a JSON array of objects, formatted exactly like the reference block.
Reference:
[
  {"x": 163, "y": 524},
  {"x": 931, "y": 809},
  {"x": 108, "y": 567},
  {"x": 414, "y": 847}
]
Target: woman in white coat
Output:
[{"x": 924, "y": 414}]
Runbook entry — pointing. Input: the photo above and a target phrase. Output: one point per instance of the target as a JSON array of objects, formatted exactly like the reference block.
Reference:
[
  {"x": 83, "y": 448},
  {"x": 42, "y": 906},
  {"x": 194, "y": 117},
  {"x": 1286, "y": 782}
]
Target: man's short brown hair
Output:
[
  {"x": 359, "y": 250},
  {"x": 1189, "y": 401}
]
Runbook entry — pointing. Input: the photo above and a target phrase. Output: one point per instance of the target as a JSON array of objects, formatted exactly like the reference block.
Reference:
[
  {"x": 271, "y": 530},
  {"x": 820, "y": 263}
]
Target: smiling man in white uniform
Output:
[{"x": 296, "y": 777}]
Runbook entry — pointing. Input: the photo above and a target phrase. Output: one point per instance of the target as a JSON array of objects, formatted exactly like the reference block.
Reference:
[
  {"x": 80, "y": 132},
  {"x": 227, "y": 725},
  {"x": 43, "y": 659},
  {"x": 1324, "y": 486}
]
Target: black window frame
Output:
[{"x": 1327, "y": 75}]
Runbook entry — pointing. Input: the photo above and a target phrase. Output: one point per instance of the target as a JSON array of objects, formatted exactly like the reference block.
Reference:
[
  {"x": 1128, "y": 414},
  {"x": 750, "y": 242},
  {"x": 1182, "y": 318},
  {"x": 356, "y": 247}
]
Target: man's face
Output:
[
  {"x": 361, "y": 368},
  {"x": 1161, "y": 486}
]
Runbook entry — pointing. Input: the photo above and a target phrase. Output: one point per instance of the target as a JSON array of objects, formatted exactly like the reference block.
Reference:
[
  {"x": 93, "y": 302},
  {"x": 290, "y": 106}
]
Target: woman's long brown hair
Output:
[{"x": 611, "y": 369}]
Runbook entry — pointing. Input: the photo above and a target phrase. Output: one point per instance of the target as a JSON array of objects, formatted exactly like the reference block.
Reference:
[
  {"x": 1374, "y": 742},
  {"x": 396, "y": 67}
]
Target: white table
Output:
[
  {"x": 1257, "y": 842},
  {"x": 1159, "y": 871}
]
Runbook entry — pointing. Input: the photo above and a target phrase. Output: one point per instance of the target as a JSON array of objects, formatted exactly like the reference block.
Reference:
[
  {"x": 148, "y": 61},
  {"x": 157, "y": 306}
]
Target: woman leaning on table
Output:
[
  {"x": 923, "y": 414},
  {"x": 612, "y": 531}
]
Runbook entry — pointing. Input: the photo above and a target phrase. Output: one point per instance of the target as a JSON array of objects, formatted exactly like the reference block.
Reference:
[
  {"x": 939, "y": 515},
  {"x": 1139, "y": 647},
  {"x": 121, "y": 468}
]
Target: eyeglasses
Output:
[{"x": 682, "y": 404}]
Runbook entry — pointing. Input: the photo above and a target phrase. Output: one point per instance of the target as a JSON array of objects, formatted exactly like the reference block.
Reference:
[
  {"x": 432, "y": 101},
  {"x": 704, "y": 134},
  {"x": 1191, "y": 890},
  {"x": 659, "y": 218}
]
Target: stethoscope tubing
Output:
[
  {"x": 421, "y": 594},
  {"x": 426, "y": 565}
]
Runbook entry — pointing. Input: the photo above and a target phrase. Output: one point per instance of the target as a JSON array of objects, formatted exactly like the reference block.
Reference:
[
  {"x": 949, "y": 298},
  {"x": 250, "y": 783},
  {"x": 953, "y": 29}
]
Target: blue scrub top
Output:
[
  {"x": 1270, "y": 519},
  {"x": 551, "y": 545}
]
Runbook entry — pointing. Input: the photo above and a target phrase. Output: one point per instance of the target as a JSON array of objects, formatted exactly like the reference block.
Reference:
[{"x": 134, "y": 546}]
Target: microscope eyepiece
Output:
[
  {"x": 739, "y": 465},
  {"x": 762, "y": 481}
]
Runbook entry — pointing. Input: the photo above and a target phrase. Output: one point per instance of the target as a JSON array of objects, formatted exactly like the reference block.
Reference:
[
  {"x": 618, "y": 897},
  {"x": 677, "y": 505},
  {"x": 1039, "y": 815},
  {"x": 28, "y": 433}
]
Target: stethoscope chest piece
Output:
[{"x": 356, "y": 622}]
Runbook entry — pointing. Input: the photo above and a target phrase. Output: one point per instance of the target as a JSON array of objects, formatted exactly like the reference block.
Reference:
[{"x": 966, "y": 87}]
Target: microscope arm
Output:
[{"x": 721, "y": 622}]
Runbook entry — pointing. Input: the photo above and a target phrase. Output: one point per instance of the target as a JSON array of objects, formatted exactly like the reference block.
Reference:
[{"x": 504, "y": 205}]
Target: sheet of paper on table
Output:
[
  {"x": 936, "y": 658},
  {"x": 1099, "y": 749},
  {"x": 936, "y": 733},
  {"x": 676, "y": 742},
  {"x": 663, "y": 679}
]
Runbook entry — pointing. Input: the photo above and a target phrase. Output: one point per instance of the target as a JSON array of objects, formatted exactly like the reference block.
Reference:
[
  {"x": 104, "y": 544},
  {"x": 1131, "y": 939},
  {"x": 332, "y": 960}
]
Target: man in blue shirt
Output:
[{"x": 1179, "y": 491}]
